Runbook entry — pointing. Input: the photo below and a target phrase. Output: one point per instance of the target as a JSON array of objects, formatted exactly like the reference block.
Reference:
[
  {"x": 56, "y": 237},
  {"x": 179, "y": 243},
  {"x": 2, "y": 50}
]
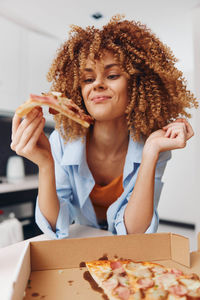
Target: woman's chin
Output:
[
  {"x": 105, "y": 115},
  {"x": 102, "y": 116}
]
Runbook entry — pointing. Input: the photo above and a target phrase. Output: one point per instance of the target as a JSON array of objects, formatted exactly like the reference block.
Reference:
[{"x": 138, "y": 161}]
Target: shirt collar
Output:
[
  {"x": 135, "y": 149},
  {"x": 75, "y": 154}
]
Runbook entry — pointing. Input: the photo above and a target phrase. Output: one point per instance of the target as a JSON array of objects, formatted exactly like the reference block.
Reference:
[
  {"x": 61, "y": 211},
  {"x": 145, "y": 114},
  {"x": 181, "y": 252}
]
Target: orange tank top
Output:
[{"x": 103, "y": 196}]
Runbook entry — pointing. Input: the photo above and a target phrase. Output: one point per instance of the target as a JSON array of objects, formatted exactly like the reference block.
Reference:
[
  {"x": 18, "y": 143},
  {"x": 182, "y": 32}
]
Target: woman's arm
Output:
[
  {"x": 29, "y": 140},
  {"x": 47, "y": 197},
  {"x": 139, "y": 211}
]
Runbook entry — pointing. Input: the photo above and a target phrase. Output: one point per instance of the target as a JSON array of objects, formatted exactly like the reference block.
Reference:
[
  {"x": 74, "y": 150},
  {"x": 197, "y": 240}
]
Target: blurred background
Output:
[{"x": 30, "y": 33}]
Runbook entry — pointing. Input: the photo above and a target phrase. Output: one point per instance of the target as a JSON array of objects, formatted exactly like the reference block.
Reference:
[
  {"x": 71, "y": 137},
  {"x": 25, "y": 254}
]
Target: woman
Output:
[{"x": 110, "y": 175}]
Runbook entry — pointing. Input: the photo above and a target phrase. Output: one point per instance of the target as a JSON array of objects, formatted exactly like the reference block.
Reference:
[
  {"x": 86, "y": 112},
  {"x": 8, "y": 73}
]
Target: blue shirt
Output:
[{"x": 74, "y": 182}]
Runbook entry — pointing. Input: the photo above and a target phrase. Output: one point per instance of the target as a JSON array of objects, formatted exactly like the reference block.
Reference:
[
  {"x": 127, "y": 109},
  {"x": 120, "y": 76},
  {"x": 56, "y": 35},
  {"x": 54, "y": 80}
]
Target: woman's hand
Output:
[
  {"x": 28, "y": 138},
  {"x": 172, "y": 136}
]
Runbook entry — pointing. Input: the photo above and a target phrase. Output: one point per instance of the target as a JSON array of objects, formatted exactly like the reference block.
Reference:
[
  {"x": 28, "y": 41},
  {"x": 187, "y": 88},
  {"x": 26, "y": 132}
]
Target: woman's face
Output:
[{"x": 104, "y": 89}]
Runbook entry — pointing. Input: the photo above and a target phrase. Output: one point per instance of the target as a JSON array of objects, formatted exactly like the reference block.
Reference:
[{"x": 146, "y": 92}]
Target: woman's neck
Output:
[{"x": 109, "y": 138}]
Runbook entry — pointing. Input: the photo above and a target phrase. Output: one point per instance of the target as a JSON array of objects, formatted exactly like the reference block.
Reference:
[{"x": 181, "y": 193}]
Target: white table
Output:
[{"x": 10, "y": 256}]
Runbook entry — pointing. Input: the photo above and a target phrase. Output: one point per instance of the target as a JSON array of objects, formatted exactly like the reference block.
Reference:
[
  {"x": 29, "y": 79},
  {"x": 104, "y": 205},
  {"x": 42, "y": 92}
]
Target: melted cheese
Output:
[
  {"x": 191, "y": 284},
  {"x": 166, "y": 280}
]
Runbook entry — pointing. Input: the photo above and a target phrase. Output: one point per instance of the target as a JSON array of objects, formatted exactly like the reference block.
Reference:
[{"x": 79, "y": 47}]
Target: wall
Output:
[
  {"x": 180, "y": 195},
  {"x": 24, "y": 61},
  {"x": 196, "y": 37}
]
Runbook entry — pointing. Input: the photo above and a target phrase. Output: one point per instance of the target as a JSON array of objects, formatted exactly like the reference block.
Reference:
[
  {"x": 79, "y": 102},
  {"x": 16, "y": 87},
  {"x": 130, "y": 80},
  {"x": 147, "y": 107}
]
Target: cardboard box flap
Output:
[
  {"x": 180, "y": 249},
  {"x": 70, "y": 253},
  {"x": 21, "y": 274}
]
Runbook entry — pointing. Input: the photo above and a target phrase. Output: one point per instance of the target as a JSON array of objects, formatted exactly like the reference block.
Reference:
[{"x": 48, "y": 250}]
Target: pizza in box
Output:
[{"x": 130, "y": 280}]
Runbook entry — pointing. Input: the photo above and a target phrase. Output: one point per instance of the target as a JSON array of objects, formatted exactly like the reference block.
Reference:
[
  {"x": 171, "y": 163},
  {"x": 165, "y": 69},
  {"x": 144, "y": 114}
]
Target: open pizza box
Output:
[{"x": 54, "y": 269}]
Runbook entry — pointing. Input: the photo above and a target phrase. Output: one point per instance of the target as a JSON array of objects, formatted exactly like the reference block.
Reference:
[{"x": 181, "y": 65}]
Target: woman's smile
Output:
[{"x": 100, "y": 99}]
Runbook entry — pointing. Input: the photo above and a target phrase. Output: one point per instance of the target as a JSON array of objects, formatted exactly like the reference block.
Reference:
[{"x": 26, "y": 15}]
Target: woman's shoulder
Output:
[{"x": 57, "y": 142}]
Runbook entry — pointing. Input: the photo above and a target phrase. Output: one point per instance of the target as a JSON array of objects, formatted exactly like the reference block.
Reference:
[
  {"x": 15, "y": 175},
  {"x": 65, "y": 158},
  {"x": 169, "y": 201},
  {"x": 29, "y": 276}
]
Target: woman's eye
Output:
[
  {"x": 113, "y": 76},
  {"x": 88, "y": 80}
]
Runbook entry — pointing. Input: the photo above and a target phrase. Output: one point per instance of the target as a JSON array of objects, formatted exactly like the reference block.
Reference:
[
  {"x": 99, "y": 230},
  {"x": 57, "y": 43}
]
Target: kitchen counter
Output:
[
  {"x": 10, "y": 256},
  {"x": 19, "y": 191},
  {"x": 27, "y": 183}
]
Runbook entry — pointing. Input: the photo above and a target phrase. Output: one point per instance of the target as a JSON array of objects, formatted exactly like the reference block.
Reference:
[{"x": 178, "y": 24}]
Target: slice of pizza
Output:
[
  {"x": 130, "y": 280},
  {"x": 57, "y": 103},
  {"x": 111, "y": 277}
]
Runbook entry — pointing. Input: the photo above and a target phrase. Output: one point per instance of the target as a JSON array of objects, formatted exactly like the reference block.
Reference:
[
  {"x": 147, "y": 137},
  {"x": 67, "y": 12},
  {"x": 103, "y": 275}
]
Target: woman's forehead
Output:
[{"x": 107, "y": 59}]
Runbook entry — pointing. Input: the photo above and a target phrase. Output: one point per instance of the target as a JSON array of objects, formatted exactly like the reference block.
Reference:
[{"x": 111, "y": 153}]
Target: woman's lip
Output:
[{"x": 100, "y": 99}]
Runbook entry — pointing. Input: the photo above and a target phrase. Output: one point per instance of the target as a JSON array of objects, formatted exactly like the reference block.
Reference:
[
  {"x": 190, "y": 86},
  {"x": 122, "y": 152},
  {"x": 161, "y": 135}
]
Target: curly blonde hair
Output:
[{"x": 157, "y": 91}]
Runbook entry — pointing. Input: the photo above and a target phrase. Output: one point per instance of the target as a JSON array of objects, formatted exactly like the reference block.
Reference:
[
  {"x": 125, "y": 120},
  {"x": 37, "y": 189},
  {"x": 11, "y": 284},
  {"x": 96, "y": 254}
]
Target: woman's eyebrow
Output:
[
  {"x": 111, "y": 65},
  {"x": 88, "y": 70},
  {"x": 105, "y": 67}
]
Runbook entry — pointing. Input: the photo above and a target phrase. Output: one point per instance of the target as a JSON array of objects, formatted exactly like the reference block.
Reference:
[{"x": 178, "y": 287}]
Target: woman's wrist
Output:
[
  {"x": 46, "y": 166},
  {"x": 150, "y": 152}
]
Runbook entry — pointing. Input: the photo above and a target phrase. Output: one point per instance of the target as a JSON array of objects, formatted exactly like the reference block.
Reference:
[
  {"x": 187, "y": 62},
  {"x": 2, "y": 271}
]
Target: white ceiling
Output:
[
  {"x": 55, "y": 16},
  {"x": 171, "y": 20}
]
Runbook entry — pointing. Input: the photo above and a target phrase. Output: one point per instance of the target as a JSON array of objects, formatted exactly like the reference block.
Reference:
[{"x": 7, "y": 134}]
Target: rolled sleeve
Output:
[
  {"x": 42, "y": 223},
  {"x": 119, "y": 225},
  {"x": 62, "y": 223},
  {"x": 153, "y": 227}
]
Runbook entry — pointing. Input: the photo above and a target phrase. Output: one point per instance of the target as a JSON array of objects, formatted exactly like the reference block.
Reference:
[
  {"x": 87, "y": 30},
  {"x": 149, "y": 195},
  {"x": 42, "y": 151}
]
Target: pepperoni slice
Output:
[
  {"x": 122, "y": 292},
  {"x": 178, "y": 290},
  {"x": 110, "y": 283},
  {"x": 53, "y": 111},
  {"x": 145, "y": 283},
  {"x": 176, "y": 272},
  {"x": 115, "y": 265},
  {"x": 44, "y": 99}
]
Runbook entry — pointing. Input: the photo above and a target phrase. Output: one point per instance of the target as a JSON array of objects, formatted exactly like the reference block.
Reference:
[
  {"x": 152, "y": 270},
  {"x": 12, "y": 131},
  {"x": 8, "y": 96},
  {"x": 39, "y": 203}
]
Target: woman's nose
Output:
[{"x": 99, "y": 84}]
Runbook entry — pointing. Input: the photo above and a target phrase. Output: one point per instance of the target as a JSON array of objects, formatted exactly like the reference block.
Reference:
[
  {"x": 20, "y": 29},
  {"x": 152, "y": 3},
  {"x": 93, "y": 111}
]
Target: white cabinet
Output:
[
  {"x": 25, "y": 58},
  {"x": 9, "y": 64}
]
